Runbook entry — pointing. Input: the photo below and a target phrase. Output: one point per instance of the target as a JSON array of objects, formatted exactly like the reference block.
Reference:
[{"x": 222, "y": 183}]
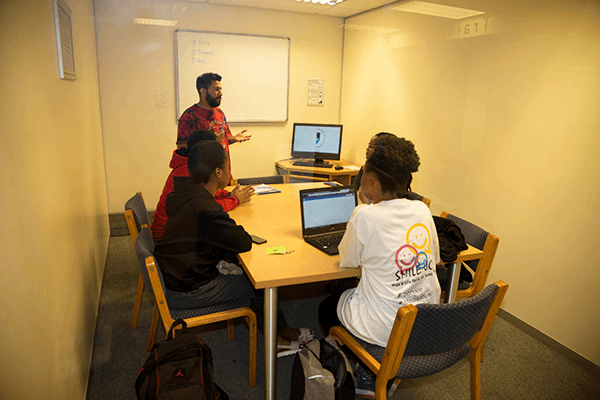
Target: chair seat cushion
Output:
[
  {"x": 418, "y": 366},
  {"x": 197, "y": 312}
]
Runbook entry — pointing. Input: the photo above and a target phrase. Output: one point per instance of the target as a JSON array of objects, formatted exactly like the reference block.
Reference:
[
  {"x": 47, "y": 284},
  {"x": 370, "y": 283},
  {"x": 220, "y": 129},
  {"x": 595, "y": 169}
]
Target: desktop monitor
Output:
[{"x": 316, "y": 142}]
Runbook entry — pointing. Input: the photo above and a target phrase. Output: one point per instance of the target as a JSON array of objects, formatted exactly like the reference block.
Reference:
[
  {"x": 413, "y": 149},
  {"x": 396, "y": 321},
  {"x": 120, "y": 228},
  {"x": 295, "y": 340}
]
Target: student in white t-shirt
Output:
[{"x": 395, "y": 242}]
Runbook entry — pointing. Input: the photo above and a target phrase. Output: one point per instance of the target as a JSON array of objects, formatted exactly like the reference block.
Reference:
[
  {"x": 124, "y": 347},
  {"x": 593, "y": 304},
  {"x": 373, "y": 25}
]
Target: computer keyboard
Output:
[
  {"x": 312, "y": 164},
  {"x": 327, "y": 240}
]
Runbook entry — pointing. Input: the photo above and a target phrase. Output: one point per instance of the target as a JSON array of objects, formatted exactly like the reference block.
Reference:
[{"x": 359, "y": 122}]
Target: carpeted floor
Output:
[{"x": 515, "y": 366}]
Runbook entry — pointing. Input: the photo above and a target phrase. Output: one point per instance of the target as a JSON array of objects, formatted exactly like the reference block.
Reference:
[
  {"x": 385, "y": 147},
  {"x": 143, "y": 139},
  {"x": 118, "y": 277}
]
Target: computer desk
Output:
[
  {"x": 343, "y": 176},
  {"x": 276, "y": 218}
]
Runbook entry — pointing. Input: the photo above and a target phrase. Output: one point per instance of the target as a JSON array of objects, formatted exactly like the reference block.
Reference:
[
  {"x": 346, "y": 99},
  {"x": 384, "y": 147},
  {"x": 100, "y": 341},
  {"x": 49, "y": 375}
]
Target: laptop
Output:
[{"x": 325, "y": 213}]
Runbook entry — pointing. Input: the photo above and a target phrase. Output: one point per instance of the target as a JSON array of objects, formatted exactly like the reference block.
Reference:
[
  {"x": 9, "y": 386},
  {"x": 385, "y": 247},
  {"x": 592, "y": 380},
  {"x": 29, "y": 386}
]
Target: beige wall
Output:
[
  {"x": 54, "y": 233},
  {"x": 506, "y": 122},
  {"x": 137, "y": 86}
]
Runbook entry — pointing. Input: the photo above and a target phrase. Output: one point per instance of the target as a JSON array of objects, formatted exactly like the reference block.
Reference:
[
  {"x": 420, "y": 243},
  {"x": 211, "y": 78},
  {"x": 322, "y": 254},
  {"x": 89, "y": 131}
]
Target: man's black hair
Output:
[
  {"x": 200, "y": 135},
  {"x": 204, "y": 158},
  {"x": 393, "y": 161},
  {"x": 205, "y": 80}
]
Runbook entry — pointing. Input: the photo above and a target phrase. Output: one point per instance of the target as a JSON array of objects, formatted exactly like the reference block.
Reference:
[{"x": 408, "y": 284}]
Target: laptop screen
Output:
[{"x": 326, "y": 209}]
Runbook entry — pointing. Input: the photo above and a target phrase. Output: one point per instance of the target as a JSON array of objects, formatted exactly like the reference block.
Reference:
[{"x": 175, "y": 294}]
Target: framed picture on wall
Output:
[{"x": 64, "y": 40}]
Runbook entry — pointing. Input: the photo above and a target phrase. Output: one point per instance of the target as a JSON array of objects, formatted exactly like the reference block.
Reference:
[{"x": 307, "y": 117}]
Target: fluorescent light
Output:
[
  {"x": 152, "y": 21},
  {"x": 436, "y": 10}
]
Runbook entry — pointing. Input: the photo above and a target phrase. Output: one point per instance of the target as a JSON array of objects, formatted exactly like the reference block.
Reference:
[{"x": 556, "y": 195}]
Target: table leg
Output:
[
  {"x": 451, "y": 282},
  {"x": 270, "y": 334}
]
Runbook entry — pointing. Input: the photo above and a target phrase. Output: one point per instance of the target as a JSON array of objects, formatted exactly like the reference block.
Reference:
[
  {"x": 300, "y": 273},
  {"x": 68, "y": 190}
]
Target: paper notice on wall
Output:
[{"x": 315, "y": 92}]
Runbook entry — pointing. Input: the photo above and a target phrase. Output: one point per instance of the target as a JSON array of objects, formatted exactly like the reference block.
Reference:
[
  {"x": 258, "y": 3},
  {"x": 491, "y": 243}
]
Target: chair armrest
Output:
[{"x": 343, "y": 337}]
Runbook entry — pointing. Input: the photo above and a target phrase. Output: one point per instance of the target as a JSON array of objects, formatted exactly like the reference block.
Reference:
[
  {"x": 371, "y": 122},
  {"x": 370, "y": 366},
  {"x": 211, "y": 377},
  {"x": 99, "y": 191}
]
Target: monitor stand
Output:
[{"x": 316, "y": 163}]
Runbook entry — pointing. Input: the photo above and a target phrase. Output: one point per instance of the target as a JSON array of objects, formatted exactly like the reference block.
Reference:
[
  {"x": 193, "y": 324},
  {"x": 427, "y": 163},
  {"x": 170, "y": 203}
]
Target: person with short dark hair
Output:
[
  {"x": 228, "y": 200},
  {"x": 206, "y": 114},
  {"x": 198, "y": 250},
  {"x": 394, "y": 241}
]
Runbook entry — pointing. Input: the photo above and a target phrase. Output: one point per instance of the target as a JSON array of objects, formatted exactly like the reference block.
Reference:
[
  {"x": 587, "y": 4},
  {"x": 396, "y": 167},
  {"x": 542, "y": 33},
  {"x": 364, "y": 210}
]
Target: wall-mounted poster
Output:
[
  {"x": 64, "y": 40},
  {"x": 316, "y": 89}
]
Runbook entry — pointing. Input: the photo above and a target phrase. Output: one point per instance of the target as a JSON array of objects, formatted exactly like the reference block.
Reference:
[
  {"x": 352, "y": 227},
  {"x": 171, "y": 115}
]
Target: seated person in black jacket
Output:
[{"x": 199, "y": 236}]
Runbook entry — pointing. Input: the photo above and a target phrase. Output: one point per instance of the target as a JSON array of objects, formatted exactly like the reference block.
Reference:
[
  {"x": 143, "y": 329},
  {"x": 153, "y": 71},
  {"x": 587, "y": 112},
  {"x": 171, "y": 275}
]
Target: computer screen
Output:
[{"x": 316, "y": 142}]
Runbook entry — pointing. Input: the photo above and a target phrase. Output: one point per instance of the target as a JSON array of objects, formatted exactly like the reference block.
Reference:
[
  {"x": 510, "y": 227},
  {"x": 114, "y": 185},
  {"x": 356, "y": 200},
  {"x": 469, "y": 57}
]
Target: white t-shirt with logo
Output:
[{"x": 396, "y": 243}]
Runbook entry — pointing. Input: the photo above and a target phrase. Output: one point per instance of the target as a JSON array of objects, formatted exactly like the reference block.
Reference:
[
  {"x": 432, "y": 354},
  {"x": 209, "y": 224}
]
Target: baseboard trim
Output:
[{"x": 548, "y": 341}]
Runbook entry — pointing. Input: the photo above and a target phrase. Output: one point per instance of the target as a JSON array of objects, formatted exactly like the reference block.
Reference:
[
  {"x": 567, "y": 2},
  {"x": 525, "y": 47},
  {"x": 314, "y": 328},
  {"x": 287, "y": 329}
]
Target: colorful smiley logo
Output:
[
  {"x": 418, "y": 236},
  {"x": 406, "y": 257}
]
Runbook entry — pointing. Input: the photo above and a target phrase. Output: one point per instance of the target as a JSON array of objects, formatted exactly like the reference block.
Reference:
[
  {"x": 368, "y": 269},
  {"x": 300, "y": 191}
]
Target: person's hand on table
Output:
[
  {"x": 243, "y": 193},
  {"x": 240, "y": 137}
]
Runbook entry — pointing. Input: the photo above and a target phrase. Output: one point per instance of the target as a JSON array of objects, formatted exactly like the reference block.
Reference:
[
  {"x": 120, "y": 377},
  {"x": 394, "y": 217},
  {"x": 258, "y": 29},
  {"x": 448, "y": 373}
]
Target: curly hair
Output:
[
  {"x": 381, "y": 135},
  {"x": 393, "y": 161}
]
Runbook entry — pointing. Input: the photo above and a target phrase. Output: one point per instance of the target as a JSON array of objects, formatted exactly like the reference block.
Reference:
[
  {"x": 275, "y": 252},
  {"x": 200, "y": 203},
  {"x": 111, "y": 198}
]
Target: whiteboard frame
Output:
[
  {"x": 64, "y": 40},
  {"x": 178, "y": 106}
]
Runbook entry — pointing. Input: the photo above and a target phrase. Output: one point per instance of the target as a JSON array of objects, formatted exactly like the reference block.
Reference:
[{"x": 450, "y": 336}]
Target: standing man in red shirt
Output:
[{"x": 207, "y": 115}]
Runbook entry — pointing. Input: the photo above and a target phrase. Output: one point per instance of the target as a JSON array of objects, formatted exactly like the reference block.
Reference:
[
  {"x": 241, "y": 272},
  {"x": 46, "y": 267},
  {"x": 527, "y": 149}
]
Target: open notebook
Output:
[{"x": 325, "y": 213}]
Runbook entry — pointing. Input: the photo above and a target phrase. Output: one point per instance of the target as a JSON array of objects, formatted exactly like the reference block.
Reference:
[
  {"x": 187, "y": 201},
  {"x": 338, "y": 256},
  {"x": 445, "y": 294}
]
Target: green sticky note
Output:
[{"x": 276, "y": 250}]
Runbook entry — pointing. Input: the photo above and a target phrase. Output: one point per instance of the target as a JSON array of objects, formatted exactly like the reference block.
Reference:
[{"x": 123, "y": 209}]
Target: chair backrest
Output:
[
  {"x": 136, "y": 215},
  {"x": 144, "y": 247},
  {"x": 484, "y": 241},
  {"x": 416, "y": 196},
  {"x": 439, "y": 328},
  {"x": 434, "y": 329},
  {"x": 274, "y": 179},
  {"x": 153, "y": 277}
]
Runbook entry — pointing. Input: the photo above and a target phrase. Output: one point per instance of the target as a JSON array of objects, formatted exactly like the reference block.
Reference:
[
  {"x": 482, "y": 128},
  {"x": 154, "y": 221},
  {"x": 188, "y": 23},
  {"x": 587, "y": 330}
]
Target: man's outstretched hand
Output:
[{"x": 240, "y": 137}]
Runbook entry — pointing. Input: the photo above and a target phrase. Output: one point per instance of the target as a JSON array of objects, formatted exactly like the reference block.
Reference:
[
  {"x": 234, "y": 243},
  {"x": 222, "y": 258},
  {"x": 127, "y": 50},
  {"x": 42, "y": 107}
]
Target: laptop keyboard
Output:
[{"x": 327, "y": 240}]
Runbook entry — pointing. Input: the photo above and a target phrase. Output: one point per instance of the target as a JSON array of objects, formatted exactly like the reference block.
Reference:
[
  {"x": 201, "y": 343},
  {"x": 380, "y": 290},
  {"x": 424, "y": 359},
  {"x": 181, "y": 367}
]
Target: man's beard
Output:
[{"x": 213, "y": 102}]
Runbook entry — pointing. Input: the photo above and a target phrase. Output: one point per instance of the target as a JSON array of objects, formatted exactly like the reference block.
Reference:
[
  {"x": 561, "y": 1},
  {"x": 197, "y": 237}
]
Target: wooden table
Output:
[
  {"x": 276, "y": 218},
  {"x": 343, "y": 176}
]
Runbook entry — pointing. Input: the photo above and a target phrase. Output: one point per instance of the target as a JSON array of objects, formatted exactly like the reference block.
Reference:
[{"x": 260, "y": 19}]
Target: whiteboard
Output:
[{"x": 254, "y": 71}]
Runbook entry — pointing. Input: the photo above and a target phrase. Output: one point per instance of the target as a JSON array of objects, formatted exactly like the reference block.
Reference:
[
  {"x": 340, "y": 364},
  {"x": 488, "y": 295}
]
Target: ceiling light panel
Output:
[{"x": 436, "y": 10}]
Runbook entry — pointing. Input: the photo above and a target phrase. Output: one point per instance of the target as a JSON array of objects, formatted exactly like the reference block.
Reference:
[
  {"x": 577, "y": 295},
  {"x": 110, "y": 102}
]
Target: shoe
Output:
[{"x": 365, "y": 384}]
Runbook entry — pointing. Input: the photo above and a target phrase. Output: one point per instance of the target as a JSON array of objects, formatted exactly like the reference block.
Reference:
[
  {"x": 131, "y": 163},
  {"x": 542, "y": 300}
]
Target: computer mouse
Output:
[{"x": 338, "y": 167}]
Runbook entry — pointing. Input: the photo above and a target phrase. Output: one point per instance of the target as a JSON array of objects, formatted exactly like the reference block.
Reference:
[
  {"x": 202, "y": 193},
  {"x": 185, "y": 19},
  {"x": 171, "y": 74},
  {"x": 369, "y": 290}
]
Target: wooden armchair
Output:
[
  {"x": 193, "y": 317},
  {"x": 136, "y": 215},
  {"x": 428, "y": 338},
  {"x": 482, "y": 240}
]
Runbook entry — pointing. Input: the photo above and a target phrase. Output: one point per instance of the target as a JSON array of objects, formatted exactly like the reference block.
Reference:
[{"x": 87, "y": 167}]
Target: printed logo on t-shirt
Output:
[
  {"x": 416, "y": 251},
  {"x": 415, "y": 262}
]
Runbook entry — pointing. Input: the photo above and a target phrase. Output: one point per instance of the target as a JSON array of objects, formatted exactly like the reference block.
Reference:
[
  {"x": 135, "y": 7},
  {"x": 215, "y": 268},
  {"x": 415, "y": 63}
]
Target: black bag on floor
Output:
[
  {"x": 179, "y": 368},
  {"x": 321, "y": 371}
]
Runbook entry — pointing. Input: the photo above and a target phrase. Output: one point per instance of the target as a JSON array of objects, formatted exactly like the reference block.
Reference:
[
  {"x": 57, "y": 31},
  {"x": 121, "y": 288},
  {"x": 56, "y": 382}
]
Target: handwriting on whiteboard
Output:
[{"x": 200, "y": 52}]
